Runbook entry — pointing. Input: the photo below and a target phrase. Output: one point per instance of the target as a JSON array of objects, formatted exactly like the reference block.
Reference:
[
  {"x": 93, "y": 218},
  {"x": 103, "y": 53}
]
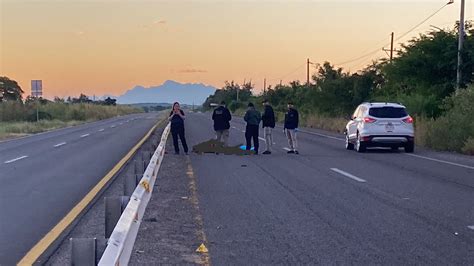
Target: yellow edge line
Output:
[{"x": 52, "y": 235}]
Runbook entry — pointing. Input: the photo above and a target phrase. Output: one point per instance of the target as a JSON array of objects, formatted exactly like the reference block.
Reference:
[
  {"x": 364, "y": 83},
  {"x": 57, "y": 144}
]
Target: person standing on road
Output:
[
  {"x": 176, "y": 119},
  {"x": 222, "y": 117},
  {"x": 291, "y": 127},
  {"x": 268, "y": 124},
  {"x": 253, "y": 118}
]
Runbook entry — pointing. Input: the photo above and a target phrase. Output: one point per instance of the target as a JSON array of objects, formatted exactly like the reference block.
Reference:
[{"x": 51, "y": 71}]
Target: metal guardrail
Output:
[{"x": 120, "y": 244}]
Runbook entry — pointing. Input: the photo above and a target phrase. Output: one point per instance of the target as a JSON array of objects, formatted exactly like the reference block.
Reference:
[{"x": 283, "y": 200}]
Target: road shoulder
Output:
[{"x": 172, "y": 228}]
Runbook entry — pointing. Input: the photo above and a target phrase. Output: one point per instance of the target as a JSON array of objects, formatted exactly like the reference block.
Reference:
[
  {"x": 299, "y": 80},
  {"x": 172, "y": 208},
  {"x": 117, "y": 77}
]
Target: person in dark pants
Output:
[
  {"x": 177, "y": 128},
  {"x": 268, "y": 124},
  {"x": 253, "y": 118},
  {"x": 291, "y": 127},
  {"x": 221, "y": 117}
]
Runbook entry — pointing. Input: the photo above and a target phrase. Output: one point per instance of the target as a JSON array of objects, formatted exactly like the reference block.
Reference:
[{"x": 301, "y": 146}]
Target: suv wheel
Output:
[
  {"x": 349, "y": 145},
  {"x": 360, "y": 145},
  {"x": 410, "y": 147}
]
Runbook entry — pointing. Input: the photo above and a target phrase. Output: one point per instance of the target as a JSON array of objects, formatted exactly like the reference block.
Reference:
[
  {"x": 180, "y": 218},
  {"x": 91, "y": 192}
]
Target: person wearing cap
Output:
[
  {"x": 222, "y": 117},
  {"x": 253, "y": 118},
  {"x": 268, "y": 124},
  {"x": 291, "y": 127}
]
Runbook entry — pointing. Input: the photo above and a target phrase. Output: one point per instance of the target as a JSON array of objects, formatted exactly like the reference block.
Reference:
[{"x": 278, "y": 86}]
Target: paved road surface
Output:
[
  {"x": 332, "y": 206},
  {"x": 42, "y": 177}
]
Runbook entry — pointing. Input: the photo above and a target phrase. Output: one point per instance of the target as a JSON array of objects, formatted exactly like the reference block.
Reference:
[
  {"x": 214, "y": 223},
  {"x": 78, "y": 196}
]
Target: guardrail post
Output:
[
  {"x": 114, "y": 207},
  {"x": 87, "y": 251},
  {"x": 139, "y": 167},
  {"x": 122, "y": 238},
  {"x": 130, "y": 182}
]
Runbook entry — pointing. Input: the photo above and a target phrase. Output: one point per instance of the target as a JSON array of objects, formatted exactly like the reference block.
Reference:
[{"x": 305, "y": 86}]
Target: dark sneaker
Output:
[
  {"x": 290, "y": 152},
  {"x": 296, "y": 152},
  {"x": 267, "y": 152},
  {"x": 176, "y": 152}
]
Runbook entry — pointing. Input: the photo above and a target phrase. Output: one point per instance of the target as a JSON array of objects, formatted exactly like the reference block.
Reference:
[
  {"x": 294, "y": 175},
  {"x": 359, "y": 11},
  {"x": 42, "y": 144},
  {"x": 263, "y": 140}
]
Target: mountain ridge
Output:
[{"x": 169, "y": 92}]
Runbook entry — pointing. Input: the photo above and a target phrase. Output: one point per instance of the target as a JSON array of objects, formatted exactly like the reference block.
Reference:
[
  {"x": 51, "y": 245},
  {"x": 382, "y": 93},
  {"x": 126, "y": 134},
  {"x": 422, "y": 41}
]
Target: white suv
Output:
[{"x": 380, "y": 125}]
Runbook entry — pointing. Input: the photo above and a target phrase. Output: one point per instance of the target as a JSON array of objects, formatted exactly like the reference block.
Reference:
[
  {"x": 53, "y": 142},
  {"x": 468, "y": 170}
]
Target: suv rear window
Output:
[{"x": 388, "y": 112}]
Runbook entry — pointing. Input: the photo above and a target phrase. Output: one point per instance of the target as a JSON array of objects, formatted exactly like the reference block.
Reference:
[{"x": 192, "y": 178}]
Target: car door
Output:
[
  {"x": 352, "y": 125},
  {"x": 359, "y": 120}
]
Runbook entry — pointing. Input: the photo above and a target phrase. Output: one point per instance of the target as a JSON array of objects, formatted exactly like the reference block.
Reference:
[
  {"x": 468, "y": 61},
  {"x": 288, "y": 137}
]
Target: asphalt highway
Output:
[
  {"x": 332, "y": 206},
  {"x": 42, "y": 177}
]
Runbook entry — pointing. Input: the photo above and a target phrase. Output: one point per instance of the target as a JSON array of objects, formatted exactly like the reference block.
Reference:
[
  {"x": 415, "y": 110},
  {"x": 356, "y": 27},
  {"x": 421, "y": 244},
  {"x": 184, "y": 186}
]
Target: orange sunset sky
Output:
[{"x": 108, "y": 46}]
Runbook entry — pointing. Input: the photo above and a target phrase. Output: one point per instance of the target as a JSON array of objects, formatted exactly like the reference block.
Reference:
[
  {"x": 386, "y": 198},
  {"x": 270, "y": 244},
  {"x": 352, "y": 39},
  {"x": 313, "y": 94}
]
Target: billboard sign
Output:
[{"x": 36, "y": 88}]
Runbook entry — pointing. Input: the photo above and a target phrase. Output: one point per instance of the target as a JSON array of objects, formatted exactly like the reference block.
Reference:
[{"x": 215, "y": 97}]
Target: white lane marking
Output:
[
  {"x": 121, "y": 123},
  {"x": 414, "y": 155},
  {"x": 321, "y": 135},
  {"x": 287, "y": 149},
  {"x": 348, "y": 175},
  {"x": 16, "y": 159},
  {"x": 127, "y": 121},
  {"x": 112, "y": 126},
  {"x": 100, "y": 130},
  {"x": 441, "y": 161},
  {"x": 260, "y": 138},
  {"x": 234, "y": 127},
  {"x": 243, "y": 131},
  {"x": 59, "y": 144},
  {"x": 85, "y": 135},
  {"x": 471, "y": 227}
]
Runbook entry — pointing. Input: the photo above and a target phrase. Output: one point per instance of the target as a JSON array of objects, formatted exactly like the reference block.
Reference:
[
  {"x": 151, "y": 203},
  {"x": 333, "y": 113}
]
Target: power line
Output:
[
  {"x": 423, "y": 21},
  {"x": 401, "y": 36},
  {"x": 291, "y": 72}
]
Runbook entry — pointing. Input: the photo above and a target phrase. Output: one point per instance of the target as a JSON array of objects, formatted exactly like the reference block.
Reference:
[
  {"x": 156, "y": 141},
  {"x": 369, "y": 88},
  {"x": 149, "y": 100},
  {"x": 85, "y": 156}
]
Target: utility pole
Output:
[
  {"x": 307, "y": 72},
  {"x": 280, "y": 82},
  {"x": 391, "y": 48},
  {"x": 460, "y": 46},
  {"x": 264, "y": 86}
]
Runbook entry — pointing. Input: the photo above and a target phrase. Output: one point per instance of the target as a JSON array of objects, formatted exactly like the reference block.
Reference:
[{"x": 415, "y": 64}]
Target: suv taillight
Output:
[
  {"x": 408, "y": 120},
  {"x": 369, "y": 120}
]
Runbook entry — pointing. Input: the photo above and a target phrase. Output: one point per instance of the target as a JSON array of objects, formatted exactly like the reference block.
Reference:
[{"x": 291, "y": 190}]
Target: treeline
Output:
[
  {"x": 422, "y": 77},
  {"x": 13, "y": 108},
  {"x": 14, "y": 111}
]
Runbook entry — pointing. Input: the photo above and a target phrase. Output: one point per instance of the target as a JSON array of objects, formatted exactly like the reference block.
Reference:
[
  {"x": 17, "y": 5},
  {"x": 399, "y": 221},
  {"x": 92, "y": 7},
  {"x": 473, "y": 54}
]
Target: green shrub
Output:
[
  {"x": 420, "y": 105},
  {"x": 468, "y": 147},
  {"x": 455, "y": 127},
  {"x": 335, "y": 124}
]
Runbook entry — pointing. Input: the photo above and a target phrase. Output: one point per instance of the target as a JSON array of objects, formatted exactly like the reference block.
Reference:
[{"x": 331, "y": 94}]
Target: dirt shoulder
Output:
[{"x": 172, "y": 228}]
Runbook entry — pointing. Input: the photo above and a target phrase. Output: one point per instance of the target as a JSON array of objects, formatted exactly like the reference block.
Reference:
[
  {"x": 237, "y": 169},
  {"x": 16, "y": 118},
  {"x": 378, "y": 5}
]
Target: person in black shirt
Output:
[
  {"x": 222, "y": 117},
  {"x": 291, "y": 127},
  {"x": 253, "y": 118},
  {"x": 176, "y": 119},
  {"x": 268, "y": 124}
]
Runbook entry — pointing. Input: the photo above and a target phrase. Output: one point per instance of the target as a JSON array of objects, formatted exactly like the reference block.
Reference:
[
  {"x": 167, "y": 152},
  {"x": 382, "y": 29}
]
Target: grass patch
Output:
[
  {"x": 334, "y": 124},
  {"x": 10, "y": 130},
  {"x": 18, "y": 119}
]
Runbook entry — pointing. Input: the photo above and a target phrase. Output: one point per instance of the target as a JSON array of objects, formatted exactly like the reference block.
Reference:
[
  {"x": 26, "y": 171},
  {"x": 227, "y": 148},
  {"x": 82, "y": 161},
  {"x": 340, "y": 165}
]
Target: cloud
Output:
[
  {"x": 192, "y": 70},
  {"x": 158, "y": 22}
]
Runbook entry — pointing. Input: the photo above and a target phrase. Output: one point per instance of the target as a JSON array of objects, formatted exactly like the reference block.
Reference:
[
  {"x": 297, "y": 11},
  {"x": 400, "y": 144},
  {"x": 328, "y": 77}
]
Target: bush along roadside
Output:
[
  {"x": 452, "y": 131},
  {"x": 19, "y": 119}
]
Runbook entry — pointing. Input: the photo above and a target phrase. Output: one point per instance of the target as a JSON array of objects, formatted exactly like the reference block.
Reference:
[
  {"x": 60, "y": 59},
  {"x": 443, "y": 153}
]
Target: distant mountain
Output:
[{"x": 168, "y": 92}]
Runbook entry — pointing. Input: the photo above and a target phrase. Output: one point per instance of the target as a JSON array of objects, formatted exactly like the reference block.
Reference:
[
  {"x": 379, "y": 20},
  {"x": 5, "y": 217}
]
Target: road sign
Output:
[{"x": 36, "y": 88}]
